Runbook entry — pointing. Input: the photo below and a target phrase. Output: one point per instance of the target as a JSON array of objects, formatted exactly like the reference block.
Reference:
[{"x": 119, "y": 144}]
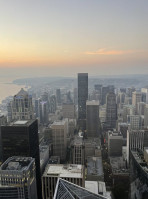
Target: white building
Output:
[
  {"x": 134, "y": 121},
  {"x": 70, "y": 172},
  {"x": 21, "y": 106},
  {"x": 136, "y": 139}
]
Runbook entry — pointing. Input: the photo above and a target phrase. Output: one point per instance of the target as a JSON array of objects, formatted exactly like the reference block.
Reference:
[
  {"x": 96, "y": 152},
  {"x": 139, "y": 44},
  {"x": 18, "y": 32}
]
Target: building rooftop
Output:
[
  {"x": 54, "y": 160},
  {"x": 71, "y": 191},
  {"x": 123, "y": 124},
  {"x": 16, "y": 163},
  {"x": 58, "y": 123},
  {"x": 92, "y": 186},
  {"x": 115, "y": 134},
  {"x": 92, "y": 141},
  {"x": 61, "y": 170},
  {"x": 22, "y": 92},
  {"x": 92, "y": 102},
  {"x": 94, "y": 166},
  {"x": 77, "y": 140},
  {"x": 20, "y": 123},
  {"x": 139, "y": 157},
  {"x": 82, "y": 74},
  {"x": 118, "y": 165}
]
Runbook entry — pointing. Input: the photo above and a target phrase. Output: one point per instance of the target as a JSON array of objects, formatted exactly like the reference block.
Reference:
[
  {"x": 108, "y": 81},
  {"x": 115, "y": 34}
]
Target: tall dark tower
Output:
[
  {"x": 92, "y": 118},
  {"x": 58, "y": 96},
  {"x": 111, "y": 110},
  {"x": 21, "y": 139},
  {"x": 82, "y": 98}
]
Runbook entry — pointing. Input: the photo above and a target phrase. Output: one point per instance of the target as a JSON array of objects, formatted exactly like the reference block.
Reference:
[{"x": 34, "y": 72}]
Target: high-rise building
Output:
[
  {"x": 123, "y": 127},
  {"x": 22, "y": 108},
  {"x": 68, "y": 110},
  {"x": 115, "y": 143},
  {"x": 59, "y": 138},
  {"x": 138, "y": 175},
  {"x": 141, "y": 108},
  {"x": 58, "y": 96},
  {"x": 9, "y": 110},
  {"x": 3, "y": 121},
  {"x": 82, "y": 98},
  {"x": 44, "y": 97},
  {"x": 98, "y": 87},
  {"x": 44, "y": 112},
  {"x": 71, "y": 172},
  {"x": 78, "y": 152},
  {"x": 136, "y": 139},
  {"x": 18, "y": 178},
  {"x": 92, "y": 118},
  {"x": 20, "y": 138},
  {"x": 146, "y": 116},
  {"x": 37, "y": 107},
  {"x": 128, "y": 110},
  {"x": 144, "y": 92},
  {"x": 104, "y": 92},
  {"x": 130, "y": 91},
  {"x": 111, "y": 110},
  {"x": 52, "y": 104},
  {"x": 75, "y": 96},
  {"x": 134, "y": 121},
  {"x": 136, "y": 97}
]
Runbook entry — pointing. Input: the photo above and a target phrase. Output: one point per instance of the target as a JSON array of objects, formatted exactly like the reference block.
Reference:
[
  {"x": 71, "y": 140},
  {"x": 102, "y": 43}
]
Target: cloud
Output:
[{"x": 104, "y": 51}]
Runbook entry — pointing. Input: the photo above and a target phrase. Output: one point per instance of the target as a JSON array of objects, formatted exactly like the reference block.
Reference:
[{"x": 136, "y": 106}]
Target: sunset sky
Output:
[{"x": 63, "y": 37}]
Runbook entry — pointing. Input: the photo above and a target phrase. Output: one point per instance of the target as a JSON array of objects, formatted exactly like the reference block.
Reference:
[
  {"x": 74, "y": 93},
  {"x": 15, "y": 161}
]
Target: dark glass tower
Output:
[
  {"x": 92, "y": 118},
  {"x": 58, "y": 96},
  {"x": 82, "y": 97},
  {"x": 21, "y": 139},
  {"x": 111, "y": 110}
]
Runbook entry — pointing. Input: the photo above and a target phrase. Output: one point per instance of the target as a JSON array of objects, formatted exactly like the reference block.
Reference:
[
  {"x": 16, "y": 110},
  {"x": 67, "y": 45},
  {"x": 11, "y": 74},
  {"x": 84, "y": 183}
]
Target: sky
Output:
[{"x": 64, "y": 37}]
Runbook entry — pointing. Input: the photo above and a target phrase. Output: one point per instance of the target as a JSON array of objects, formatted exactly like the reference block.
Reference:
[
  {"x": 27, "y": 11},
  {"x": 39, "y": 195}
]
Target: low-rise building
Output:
[{"x": 70, "y": 172}]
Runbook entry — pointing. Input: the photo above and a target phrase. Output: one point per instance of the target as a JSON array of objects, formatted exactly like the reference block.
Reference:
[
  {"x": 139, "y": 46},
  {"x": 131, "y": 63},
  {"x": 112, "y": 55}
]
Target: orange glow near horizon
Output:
[{"x": 23, "y": 55}]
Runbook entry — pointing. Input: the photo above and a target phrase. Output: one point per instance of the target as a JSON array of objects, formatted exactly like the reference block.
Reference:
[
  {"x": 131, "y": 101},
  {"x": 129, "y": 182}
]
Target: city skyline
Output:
[{"x": 64, "y": 38}]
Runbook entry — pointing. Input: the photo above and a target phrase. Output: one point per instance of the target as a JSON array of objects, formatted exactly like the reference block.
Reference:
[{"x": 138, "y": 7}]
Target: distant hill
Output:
[{"x": 116, "y": 80}]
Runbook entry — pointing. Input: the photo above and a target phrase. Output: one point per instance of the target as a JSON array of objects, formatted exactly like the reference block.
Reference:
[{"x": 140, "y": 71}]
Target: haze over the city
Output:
[{"x": 61, "y": 38}]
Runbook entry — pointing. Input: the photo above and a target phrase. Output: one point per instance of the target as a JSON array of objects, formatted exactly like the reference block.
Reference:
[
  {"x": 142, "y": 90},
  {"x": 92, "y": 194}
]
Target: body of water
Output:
[{"x": 7, "y": 88}]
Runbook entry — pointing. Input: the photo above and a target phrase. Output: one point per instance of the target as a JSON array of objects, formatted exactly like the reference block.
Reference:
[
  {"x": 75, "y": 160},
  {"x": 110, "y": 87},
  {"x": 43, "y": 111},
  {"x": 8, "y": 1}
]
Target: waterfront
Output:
[{"x": 7, "y": 88}]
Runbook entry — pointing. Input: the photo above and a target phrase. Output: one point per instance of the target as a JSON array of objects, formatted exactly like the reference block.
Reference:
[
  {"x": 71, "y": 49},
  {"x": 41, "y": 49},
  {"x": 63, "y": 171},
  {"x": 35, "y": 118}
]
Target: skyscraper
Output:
[
  {"x": 58, "y": 96},
  {"x": 146, "y": 116},
  {"x": 21, "y": 106},
  {"x": 111, "y": 110},
  {"x": 37, "y": 107},
  {"x": 21, "y": 139},
  {"x": 18, "y": 178},
  {"x": 78, "y": 150},
  {"x": 52, "y": 104},
  {"x": 115, "y": 143},
  {"x": 44, "y": 112},
  {"x": 92, "y": 118},
  {"x": 3, "y": 121},
  {"x": 136, "y": 139},
  {"x": 82, "y": 98},
  {"x": 68, "y": 110},
  {"x": 136, "y": 97},
  {"x": 105, "y": 90},
  {"x": 59, "y": 138}
]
